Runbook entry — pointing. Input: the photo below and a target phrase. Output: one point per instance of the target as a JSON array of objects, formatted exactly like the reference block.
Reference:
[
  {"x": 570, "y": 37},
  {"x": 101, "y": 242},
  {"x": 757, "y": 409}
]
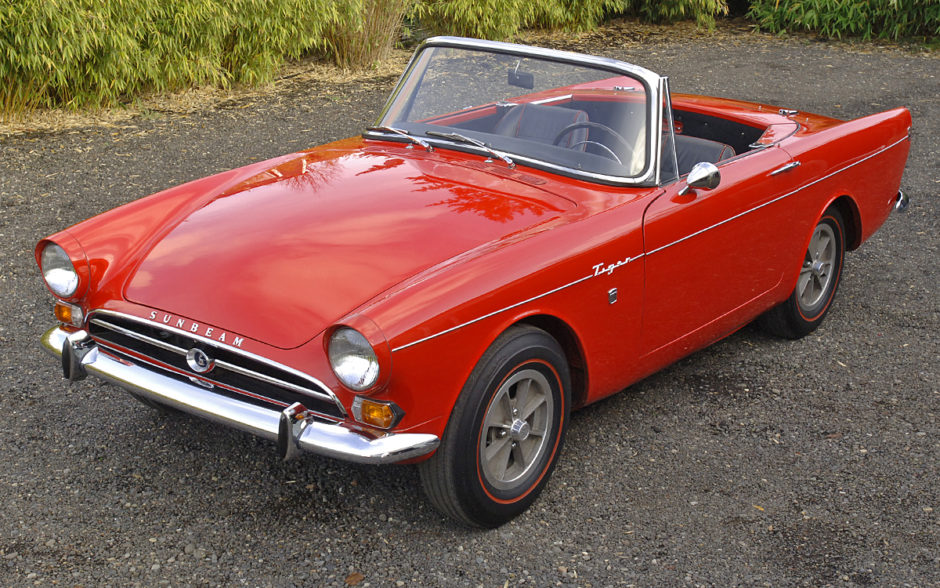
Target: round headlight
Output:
[
  {"x": 58, "y": 271},
  {"x": 353, "y": 360}
]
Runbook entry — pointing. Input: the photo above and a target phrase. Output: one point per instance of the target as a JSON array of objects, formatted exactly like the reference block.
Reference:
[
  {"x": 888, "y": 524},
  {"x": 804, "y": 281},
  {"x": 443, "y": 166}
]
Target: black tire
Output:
[
  {"x": 485, "y": 473},
  {"x": 804, "y": 310}
]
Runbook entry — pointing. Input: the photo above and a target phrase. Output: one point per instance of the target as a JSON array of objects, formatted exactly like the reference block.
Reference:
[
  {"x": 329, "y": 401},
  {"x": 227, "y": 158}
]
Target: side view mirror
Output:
[{"x": 704, "y": 175}]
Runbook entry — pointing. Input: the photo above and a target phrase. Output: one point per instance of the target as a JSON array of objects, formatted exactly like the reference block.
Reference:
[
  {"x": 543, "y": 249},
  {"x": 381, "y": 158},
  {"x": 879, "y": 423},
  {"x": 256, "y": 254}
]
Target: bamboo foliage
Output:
[
  {"x": 81, "y": 53},
  {"x": 367, "y": 33},
  {"x": 497, "y": 19},
  {"x": 88, "y": 53}
]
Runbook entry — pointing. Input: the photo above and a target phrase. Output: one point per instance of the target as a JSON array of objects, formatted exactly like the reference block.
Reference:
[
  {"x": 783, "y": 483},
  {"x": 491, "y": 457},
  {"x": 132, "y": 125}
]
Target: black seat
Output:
[
  {"x": 691, "y": 150},
  {"x": 537, "y": 122}
]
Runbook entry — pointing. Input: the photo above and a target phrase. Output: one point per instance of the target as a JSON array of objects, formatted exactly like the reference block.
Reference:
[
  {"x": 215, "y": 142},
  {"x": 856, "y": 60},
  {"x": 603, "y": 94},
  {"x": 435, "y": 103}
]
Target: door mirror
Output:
[{"x": 704, "y": 175}]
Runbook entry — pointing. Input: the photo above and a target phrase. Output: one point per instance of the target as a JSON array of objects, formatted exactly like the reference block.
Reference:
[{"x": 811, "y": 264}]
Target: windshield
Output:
[{"x": 579, "y": 118}]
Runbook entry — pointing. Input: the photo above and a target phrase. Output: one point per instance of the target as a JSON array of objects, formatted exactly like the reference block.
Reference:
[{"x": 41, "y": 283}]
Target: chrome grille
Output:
[{"x": 235, "y": 373}]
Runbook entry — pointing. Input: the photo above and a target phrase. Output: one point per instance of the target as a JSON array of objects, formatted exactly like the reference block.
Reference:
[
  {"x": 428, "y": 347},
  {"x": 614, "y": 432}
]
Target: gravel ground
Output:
[{"x": 753, "y": 462}]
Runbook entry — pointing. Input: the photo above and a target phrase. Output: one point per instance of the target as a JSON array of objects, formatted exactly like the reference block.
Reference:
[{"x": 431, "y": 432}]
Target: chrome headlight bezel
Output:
[
  {"x": 58, "y": 271},
  {"x": 353, "y": 359}
]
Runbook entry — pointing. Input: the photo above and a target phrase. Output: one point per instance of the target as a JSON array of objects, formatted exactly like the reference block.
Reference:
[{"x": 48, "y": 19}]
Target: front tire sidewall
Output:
[
  {"x": 539, "y": 470},
  {"x": 481, "y": 503}
]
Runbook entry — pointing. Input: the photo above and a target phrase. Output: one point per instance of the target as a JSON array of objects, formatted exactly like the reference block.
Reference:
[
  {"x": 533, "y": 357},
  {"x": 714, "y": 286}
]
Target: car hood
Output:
[{"x": 283, "y": 255}]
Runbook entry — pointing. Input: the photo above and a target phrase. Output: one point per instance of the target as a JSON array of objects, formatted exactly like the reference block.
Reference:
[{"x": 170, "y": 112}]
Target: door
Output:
[{"x": 711, "y": 254}]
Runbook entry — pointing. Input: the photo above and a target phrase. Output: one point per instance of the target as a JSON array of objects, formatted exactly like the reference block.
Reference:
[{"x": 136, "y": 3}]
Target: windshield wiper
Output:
[
  {"x": 404, "y": 134},
  {"x": 475, "y": 142}
]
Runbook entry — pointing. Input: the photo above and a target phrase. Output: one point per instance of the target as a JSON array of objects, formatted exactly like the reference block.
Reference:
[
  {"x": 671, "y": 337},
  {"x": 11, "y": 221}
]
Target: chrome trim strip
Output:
[
  {"x": 552, "y": 99},
  {"x": 495, "y": 312},
  {"x": 139, "y": 337},
  {"x": 331, "y": 440},
  {"x": 554, "y": 54},
  {"x": 638, "y": 181},
  {"x": 779, "y": 198},
  {"x": 326, "y": 395},
  {"x": 657, "y": 134},
  {"x": 274, "y": 381},
  {"x": 658, "y": 249}
]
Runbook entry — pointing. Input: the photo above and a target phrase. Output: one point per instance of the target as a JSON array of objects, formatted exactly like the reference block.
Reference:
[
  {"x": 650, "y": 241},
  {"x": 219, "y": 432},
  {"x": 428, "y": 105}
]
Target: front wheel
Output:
[
  {"x": 803, "y": 311},
  {"x": 505, "y": 432}
]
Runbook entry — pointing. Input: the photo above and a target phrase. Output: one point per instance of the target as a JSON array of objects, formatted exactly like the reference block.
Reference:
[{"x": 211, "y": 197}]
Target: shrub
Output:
[
  {"x": 80, "y": 53},
  {"x": 484, "y": 19},
  {"x": 367, "y": 32},
  {"x": 887, "y": 19},
  {"x": 499, "y": 19},
  {"x": 575, "y": 15},
  {"x": 703, "y": 11},
  {"x": 67, "y": 52}
]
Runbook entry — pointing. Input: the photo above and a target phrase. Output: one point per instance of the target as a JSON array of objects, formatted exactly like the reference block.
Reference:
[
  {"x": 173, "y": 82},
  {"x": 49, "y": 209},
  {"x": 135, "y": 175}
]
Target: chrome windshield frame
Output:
[{"x": 652, "y": 82}]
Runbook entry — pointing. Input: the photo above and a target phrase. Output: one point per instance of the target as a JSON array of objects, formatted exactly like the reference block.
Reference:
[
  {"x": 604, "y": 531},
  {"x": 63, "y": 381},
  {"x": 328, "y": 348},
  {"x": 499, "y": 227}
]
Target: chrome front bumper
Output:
[{"x": 294, "y": 429}]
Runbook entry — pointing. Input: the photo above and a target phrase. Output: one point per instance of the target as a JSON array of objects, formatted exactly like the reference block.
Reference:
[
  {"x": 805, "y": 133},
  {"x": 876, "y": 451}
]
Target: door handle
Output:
[{"x": 787, "y": 167}]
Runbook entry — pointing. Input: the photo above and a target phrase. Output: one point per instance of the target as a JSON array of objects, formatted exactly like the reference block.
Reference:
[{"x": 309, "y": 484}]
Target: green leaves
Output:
[
  {"x": 885, "y": 19},
  {"x": 88, "y": 53},
  {"x": 362, "y": 32},
  {"x": 499, "y": 19}
]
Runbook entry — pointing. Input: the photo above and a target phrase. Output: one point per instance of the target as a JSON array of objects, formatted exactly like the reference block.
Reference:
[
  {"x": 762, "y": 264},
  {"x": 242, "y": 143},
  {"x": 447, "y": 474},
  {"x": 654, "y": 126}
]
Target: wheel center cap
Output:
[
  {"x": 520, "y": 430},
  {"x": 818, "y": 268}
]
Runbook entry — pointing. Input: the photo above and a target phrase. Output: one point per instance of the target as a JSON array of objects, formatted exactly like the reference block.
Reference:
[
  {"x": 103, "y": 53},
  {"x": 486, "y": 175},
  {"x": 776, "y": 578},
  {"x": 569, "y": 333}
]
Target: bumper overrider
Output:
[{"x": 295, "y": 429}]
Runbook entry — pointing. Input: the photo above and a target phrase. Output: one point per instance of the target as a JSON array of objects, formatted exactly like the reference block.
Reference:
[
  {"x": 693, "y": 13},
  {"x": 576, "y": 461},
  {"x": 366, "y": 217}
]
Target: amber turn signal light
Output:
[
  {"x": 68, "y": 314},
  {"x": 381, "y": 415}
]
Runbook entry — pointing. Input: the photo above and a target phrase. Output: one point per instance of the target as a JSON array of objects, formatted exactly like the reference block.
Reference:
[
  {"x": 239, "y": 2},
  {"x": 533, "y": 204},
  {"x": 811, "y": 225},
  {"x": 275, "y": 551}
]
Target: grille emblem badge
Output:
[{"x": 199, "y": 362}]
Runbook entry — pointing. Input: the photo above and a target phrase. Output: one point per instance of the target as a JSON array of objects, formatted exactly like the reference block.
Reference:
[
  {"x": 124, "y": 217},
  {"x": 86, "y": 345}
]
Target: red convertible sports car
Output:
[{"x": 524, "y": 232}]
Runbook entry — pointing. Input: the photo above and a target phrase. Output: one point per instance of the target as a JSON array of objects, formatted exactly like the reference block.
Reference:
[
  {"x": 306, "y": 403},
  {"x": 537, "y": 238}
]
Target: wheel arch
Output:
[
  {"x": 846, "y": 205},
  {"x": 574, "y": 352}
]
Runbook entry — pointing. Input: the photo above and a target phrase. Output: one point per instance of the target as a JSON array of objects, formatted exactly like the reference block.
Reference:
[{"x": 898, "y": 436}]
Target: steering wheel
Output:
[
  {"x": 601, "y": 145},
  {"x": 601, "y": 127}
]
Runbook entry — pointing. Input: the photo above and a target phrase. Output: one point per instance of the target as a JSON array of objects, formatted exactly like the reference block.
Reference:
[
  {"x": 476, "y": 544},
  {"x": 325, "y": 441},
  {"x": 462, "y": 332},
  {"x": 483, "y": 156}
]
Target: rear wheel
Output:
[
  {"x": 803, "y": 311},
  {"x": 505, "y": 432}
]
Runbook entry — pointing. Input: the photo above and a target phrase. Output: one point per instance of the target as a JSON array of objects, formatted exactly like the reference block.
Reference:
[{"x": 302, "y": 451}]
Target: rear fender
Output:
[{"x": 855, "y": 166}]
